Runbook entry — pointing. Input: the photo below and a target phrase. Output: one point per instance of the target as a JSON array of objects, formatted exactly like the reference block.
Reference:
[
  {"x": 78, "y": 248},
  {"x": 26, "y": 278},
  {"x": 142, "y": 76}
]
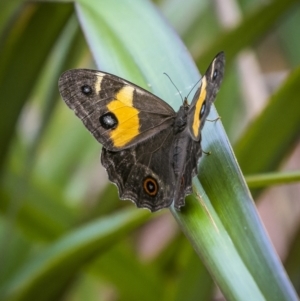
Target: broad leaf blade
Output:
[
  {"x": 266, "y": 141},
  {"x": 14, "y": 68},
  {"x": 248, "y": 32},
  {"x": 59, "y": 263},
  {"x": 252, "y": 254}
]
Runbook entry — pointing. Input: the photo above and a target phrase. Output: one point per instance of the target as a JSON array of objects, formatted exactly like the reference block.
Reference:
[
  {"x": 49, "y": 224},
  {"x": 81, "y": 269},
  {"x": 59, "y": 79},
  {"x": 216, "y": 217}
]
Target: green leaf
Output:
[
  {"x": 194, "y": 282},
  {"x": 17, "y": 77},
  {"x": 246, "y": 34},
  {"x": 228, "y": 233},
  {"x": 292, "y": 262},
  {"x": 135, "y": 280},
  {"x": 220, "y": 220},
  {"x": 267, "y": 179},
  {"x": 8, "y": 10},
  {"x": 40, "y": 208},
  {"x": 56, "y": 266},
  {"x": 266, "y": 142}
]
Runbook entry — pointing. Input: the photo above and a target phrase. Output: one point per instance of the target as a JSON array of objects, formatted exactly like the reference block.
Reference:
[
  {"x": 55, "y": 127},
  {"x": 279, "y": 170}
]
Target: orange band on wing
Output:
[
  {"x": 201, "y": 99},
  {"x": 127, "y": 115}
]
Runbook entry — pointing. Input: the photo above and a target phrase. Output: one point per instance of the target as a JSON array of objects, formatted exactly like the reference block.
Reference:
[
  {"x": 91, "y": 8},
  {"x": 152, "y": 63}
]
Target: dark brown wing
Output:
[
  {"x": 186, "y": 154},
  {"x": 144, "y": 173},
  {"x": 118, "y": 113}
]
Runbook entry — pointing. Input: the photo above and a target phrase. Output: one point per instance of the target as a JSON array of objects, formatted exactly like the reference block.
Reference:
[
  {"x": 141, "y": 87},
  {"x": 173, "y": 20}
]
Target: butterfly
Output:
[{"x": 149, "y": 151}]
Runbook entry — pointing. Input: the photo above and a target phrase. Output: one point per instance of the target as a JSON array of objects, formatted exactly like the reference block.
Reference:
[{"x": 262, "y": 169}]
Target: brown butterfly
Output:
[{"x": 149, "y": 151}]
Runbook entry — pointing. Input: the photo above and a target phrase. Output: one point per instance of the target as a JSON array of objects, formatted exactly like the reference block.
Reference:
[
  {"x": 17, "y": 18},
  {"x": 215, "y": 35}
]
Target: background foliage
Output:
[{"x": 64, "y": 233}]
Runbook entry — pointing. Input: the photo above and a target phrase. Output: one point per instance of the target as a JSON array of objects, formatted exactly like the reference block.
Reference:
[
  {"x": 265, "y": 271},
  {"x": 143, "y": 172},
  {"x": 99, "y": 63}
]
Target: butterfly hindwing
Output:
[
  {"x": 205, "y": 96},
  {"x": 186, "y": 154},
  {"x": 118, "y": 113},
  {"x": 144, "y": 173}
]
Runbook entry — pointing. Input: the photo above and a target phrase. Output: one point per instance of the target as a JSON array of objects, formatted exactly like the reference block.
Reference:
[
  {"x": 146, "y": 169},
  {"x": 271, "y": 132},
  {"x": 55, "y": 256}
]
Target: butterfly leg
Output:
[{"x": 206, "y": 153}]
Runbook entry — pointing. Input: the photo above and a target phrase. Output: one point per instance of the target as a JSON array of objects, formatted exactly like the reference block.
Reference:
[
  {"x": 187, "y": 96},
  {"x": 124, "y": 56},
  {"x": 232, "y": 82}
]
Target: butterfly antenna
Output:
[
  {"x": 174, "y": 86},
  {"x": 194, "y": 87}
]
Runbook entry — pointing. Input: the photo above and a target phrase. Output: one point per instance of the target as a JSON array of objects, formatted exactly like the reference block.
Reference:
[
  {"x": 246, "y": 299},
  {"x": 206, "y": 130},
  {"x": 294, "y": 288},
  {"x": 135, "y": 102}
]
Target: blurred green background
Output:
[{"x": 64, "y": 234}]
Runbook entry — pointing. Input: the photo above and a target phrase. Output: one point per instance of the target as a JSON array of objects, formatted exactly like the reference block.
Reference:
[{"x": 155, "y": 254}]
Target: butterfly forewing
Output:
[
  {"x": 205, "y": 95},
  {"x": 118, "y": 113}
]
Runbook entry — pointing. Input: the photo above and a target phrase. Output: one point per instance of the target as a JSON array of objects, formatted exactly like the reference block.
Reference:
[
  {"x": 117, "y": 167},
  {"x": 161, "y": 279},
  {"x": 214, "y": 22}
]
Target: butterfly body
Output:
[{"x": 149, "y": 151}]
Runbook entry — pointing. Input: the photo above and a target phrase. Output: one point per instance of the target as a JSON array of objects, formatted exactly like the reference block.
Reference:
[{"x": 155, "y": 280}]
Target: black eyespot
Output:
[
  {"x": 86, "y": 89},
  {"x": 215, "y": 75},
  {"x": 203, "y": 109},
  {"x": 150, "y": 186},
  {"x": 108, "y": 121}
]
